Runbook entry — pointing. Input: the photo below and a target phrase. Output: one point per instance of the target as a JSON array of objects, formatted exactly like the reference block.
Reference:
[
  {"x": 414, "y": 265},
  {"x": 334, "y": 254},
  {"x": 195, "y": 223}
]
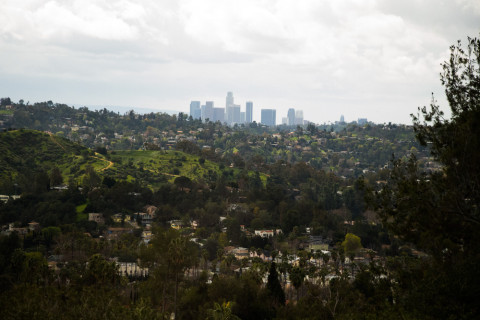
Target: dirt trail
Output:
[
  {"x": 55, "y": 141},
  {"x": 110, "y": 163}
]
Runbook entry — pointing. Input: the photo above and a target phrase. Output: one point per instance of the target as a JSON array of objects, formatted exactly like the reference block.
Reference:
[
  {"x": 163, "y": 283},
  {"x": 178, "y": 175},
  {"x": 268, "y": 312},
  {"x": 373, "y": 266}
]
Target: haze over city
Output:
[{"x": 362, "y": 59}]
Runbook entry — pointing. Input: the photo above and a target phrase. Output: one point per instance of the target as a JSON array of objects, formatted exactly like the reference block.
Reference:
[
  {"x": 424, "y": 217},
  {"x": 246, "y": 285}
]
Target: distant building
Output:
[
  {"x": 249, "y": 112},
  {"x": 219, "y": 115},
  {"x": 96, "y": 217},
  {"x": 299, "y": 117},
  {"x": 207, "y": 112},
  {"x": 362, "y": 121},
  {"x": 291, "y": 117},
  {"x": 195, "y": 110},
  {"x": 265, "y": 233},
  {"x": 342, "y": 119},
  {"x": 269, "y": 117},
  {"x": 236, "y": 114},
  {"x": 229, "y": 108}
]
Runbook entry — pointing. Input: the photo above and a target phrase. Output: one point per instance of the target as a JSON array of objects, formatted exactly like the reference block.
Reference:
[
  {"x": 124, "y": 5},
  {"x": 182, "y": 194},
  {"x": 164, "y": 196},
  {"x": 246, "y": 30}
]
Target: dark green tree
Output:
[
  {"x": 274, "y": 287},
  {"x": 438, "y": 210}
]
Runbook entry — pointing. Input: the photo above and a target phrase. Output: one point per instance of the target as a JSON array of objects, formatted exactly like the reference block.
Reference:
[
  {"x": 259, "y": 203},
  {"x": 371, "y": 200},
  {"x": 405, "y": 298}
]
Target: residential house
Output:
[{"x": 97, "y": 217}]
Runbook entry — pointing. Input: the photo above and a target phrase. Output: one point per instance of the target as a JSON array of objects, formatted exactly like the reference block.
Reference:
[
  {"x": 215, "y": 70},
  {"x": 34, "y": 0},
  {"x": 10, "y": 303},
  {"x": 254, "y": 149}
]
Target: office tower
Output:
[
  {"x": 362, "y": 121},
  {"x": 242, "y": 117},
  {"x": 219, "y": 114},
  {"x": 342, "y": 119},
  {"x": 249, "y": 112},
  {"x": 269, "y": 117},
  {"x": 229, "y": 100},
  {"x": 236, "y": 113},
  {"x": 284, "y": 120},
  {"x": 229, "y": 108},
  {"x": 207, "y": 111},
  {"x": 291, "y": 117},
  {"x": 195, "y": 110},
  {"x": 299, "y": 117}
]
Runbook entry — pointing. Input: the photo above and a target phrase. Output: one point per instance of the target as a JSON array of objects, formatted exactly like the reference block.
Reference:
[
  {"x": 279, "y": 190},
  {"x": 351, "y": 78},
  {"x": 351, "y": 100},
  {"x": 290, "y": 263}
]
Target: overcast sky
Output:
[{"x": 375, "y": 59}]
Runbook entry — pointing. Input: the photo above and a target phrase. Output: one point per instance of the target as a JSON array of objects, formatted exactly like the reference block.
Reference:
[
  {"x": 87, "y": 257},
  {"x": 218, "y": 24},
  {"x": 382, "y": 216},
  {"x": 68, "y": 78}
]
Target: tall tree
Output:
[
  {"x": 438, "y": 210},
  {"x": 274, "y": 287}
]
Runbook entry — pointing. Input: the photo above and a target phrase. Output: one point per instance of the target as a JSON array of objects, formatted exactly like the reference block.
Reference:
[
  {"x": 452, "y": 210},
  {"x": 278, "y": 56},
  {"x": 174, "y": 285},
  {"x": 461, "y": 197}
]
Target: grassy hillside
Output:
[{"x": 27, "y": 152}]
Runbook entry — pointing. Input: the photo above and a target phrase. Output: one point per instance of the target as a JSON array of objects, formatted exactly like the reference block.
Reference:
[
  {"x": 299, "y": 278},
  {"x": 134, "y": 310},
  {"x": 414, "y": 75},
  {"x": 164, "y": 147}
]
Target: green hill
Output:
[
  {"x": 24, "y": 153},
  {"x": 27, "y": 152}
]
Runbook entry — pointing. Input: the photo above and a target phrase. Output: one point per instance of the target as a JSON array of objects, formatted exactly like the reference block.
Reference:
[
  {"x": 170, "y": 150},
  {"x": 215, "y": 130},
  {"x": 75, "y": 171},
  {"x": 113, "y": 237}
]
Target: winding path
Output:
[{"x": 110, "y": 163}]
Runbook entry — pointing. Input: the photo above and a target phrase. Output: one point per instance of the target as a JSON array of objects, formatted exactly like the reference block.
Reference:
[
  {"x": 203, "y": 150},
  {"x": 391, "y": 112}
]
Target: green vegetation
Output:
[{"x": 173, "y": 218}]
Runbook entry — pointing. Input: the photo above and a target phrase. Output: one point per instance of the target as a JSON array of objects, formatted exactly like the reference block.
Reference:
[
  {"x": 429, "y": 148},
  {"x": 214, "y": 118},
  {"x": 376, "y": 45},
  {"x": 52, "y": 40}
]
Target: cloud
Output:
[{"x": 351, "y": 54}]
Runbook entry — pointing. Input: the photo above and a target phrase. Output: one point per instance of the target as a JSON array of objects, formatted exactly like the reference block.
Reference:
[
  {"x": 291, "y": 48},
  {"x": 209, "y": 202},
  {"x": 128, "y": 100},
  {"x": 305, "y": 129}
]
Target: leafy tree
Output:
[
  {"x": 56, "y": 177},
  {"x": 91, "y": 179},
  {"x": 297, "y": 276},
  {"x": 274, "y": 287},
  {"x": 351, "y": 244},
  {"x": 438, "y": 211}
]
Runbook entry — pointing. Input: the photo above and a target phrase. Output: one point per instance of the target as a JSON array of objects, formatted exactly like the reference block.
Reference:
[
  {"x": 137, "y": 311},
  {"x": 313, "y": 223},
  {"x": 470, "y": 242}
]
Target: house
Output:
[
  {"x": 240, "y": 253},
  {"x": 33, "y": 226},
  {"x": 119, "y": 217},
  {"x": 145, "y": 218},
  {"x": 264, "y": 233},
  {"x": 176, "y": 224},
  {"x": 96, "y": 217},
  {"x": 147, "y": 236}
]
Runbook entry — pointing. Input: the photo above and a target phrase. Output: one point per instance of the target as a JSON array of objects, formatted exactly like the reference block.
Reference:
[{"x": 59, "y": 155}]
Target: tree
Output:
[
  {"x": 56, "y": 177},
  {"x": 91, "y": 179},
  {"x": 222, "y": 312},
  {"x": 274, "y": 287},
  {"x": 351, "y": 244},
  {"x": 297, "y": 275},
  {"x": 438, "y": 210}
]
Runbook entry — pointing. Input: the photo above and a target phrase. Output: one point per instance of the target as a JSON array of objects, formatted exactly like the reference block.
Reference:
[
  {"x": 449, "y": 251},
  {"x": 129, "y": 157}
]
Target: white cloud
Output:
[{"x": 352, "y": 54}]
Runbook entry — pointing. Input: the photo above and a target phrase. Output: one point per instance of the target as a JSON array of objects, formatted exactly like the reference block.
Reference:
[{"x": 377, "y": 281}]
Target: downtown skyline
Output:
[{"x": 364, "y": 59}]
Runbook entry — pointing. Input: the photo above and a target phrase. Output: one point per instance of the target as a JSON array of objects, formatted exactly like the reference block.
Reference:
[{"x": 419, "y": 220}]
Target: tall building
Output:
[
  {"x": 291, "y": 117},
  {"x": 249, "y": 112},
  {"x": 362, "y": 121},
  {"x": 229, "y": 108},
  {"x": 242, "y": 117},
  {"x": 219, "y": 115},
  {"x": 269, "y": 117},
  {"x": 342, "y": 119},
  {"x": 229, "y": 100},
  {"x": 236, "y": 114},
  {"x": 207, "y": 112},
  {"x": 299, "y": 117},
  {"x": 195, "y": 110}
]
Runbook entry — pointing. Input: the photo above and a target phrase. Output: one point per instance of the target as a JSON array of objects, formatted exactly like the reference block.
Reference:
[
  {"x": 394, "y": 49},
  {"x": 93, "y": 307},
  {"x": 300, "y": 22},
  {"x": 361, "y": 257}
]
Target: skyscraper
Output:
[
  {"x": 195, "y": 110},
  {"x": 229, "y": 108},
  {"x": 299, "y": 117},
  {"x": 229, "y": 100},
  {"x": 269, "y": 117},
  {"x": 249, "y": 112},
  {"x": 207, "y": 112},
  {"x": 291, "y": 117},
  {"x": 236, "y": 113},
  {"x": 219, "y": 115}
]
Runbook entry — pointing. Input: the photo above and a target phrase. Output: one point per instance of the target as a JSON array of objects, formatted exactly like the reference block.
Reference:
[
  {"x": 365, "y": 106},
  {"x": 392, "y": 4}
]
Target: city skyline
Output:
[
  {"x": 375, "y": 59},
  {"x": 232, "y": 113}
]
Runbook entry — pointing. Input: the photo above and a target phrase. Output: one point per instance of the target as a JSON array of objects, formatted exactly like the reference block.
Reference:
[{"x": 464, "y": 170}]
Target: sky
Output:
[{"x": 374, "y": 59}]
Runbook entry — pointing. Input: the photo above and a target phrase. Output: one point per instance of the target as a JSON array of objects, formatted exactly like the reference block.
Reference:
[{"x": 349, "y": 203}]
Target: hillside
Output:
[{"x": 27, "y": 152}]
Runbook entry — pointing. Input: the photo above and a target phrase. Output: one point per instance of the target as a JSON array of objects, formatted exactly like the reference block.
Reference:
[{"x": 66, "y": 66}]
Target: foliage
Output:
[{"x": 438, "y": 211}]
